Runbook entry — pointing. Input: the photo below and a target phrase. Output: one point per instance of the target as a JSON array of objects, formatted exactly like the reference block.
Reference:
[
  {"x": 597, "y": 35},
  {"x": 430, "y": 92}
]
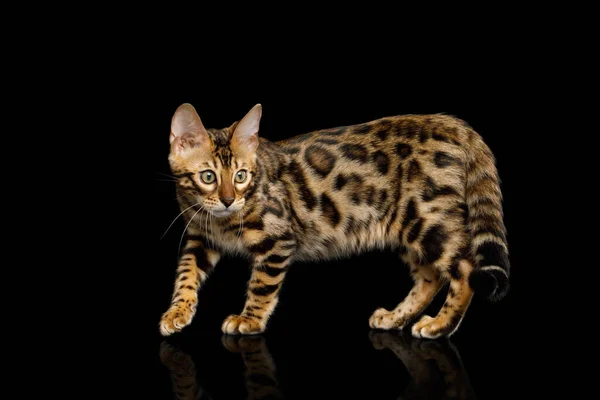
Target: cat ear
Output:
[
  {"x": 245, "y": 136},
  {"x": 187, "y": 129}
]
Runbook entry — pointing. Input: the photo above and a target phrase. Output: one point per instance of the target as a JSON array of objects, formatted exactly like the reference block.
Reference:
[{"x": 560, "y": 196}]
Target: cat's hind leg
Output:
[
  {"x": 427, "y": 284},
  {"x": 452, "y": 312}
]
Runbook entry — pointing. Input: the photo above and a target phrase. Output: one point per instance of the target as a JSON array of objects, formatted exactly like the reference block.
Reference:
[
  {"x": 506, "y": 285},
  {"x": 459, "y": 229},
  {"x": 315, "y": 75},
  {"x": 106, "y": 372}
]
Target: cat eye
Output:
[
  {"x": 207, "y": 176},
  {"x": 241, "y": 176}
]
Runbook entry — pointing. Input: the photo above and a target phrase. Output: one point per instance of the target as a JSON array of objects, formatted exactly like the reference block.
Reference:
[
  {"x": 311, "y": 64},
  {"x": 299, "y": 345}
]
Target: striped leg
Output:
[
  {"x": 454, "y": 309},
  {"x": 263, "y": 289},
  {"x": 427, "y": 284},
  {"x": 194, "y": 266}
]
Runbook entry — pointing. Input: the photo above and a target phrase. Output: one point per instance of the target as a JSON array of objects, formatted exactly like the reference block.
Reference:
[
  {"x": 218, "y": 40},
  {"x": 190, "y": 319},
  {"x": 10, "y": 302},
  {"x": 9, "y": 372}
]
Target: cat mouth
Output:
[{"x": 222, "y": 213}]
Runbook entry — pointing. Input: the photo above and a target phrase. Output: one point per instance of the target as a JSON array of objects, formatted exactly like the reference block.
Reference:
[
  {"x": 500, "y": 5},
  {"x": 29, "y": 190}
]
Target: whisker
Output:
[
  {"x": 166, "y": 175},
  {"x": 212, "y": 235},
  {"x": 180, "y": 214},
  {"x": 185, "y": 230},
  {"x": 206, "y": 226}
]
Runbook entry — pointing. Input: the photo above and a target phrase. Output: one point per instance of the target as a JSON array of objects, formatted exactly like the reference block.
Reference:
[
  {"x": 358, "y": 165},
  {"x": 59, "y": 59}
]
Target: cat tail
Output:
[{"x": 489, "y": 248}]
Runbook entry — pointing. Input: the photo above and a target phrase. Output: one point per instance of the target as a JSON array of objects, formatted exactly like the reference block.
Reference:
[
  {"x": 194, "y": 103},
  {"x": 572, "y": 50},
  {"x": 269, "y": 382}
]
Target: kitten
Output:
[{"x": 425, "y": 186}]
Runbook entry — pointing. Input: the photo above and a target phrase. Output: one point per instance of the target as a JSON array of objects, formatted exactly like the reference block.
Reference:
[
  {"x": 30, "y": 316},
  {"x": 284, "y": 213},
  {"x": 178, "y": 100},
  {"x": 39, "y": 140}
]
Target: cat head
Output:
[{"x": 216, "y": 167}]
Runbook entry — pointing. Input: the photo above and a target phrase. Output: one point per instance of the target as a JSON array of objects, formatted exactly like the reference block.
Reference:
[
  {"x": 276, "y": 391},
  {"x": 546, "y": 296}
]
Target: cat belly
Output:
[{"x": 341, "y": 245}]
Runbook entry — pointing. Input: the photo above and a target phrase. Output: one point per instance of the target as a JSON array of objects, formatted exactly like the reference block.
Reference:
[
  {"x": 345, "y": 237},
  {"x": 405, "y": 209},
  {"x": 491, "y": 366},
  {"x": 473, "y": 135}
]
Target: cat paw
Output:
[
  {"x": 431, "y": 328},
  {"x": 175, "y": 319},
  {"x": 240, "y": 325},
  {"x": 386, "y": 320}
]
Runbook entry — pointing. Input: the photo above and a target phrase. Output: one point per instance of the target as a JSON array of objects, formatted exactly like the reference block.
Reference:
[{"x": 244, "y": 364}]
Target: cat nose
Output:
[{"x": 227, "y": 201}]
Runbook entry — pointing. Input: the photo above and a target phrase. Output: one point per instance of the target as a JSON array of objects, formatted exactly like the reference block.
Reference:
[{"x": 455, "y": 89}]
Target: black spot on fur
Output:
[
  {"x": 384, "y": 124},
  {"x": 362, "y": 129},
  {"x": 329, "y": 210},
  {"x": 258, "y": 225},
  {"x": 414, "y": 232},
  {"x": 354, "y": 152},
  {"x": 370, "y": 195},
  {"x": 340, "y": 182},
  {"x": 276, "y": 259},
  {"x": 183, "y": 271},
  {"x": 304, "y": 192},
  {"x": 383, "y": 135},
  {"x": 403, "y": 150},
  {"x": 454, "y": 271},
  {"x": 432, "y": 190},
  {"x": 410, "y": 213},
  {"x": 327, "y": 141},
  {"x": 264, "y": 246},
  {"x": 382, "y": 161},
  {"x": 433, "y": 244},
  {"x": 409, "y": 129},
  {"x": 443, "y": 160},
  {"x": 414, "y": 170},
  {"x": 274, "y": 207},
  {"x": 265, "y": 290},
  {"x": 424, "y": 134},
  {"x": 441, "y": 138},
  {"x": 290, "y": 150},
  {"x": 319, "y": 159},
  {"x": 383, "y": 195}
]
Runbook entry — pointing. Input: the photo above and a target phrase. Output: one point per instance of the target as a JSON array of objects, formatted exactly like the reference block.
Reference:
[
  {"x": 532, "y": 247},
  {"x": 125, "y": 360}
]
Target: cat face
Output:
[{"x": 215, "y": 167}]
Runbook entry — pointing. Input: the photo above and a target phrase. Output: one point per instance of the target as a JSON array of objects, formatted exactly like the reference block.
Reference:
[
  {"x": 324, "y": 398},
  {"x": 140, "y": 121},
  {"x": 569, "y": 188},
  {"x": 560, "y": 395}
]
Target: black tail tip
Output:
[{"x": 489, "y": 282}]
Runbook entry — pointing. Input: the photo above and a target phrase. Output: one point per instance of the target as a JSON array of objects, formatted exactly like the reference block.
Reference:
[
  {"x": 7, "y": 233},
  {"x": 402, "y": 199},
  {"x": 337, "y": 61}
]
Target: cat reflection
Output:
[
  {"x": 183, "y": 373},
  {"x": 261, "y": 382},
  {"x": 435, "y": 367}
]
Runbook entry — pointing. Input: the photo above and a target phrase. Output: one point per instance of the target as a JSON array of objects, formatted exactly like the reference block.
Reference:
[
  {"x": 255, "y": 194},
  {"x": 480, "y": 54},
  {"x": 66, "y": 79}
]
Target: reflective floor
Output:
[{"x": 385, "y": 365}]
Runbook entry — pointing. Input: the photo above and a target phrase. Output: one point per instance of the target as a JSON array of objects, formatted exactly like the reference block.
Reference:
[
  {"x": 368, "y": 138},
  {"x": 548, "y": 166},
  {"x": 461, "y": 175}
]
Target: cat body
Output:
[{"x": 424, "y": 186}]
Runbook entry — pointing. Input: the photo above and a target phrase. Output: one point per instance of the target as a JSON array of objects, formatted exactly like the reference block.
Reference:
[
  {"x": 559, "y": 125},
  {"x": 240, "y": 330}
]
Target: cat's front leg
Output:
[
  {"x": 195, "y": 264},
  {"x": 271, "y": 261}
]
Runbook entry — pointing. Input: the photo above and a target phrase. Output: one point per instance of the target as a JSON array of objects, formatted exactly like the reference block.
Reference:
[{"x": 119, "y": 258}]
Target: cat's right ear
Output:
[{"x": 187, "y": 129}]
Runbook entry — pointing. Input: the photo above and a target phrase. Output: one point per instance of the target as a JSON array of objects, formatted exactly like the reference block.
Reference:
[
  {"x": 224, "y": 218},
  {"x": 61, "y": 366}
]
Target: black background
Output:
[{"x": 318, "y": 334}]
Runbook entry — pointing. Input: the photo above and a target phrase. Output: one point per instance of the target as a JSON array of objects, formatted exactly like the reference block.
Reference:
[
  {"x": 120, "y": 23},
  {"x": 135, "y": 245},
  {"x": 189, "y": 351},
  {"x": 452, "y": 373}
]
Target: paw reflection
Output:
[
  {"x": 261, "y": 381},
  {"x": 434, "y": 366},
  {"x": 183, "y": 373}
]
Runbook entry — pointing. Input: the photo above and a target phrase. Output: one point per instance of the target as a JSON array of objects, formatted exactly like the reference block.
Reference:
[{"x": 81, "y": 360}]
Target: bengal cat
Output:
[{"x": 425, "y": 186}]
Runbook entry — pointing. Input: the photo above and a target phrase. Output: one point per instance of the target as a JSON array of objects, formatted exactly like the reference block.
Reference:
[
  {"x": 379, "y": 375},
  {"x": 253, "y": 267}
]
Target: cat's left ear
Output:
[{"x": 245, "y": 136}]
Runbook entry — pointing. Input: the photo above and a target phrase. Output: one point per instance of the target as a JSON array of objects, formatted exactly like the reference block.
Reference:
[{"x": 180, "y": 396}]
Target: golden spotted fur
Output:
[{"x": 425, "y": 186}]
